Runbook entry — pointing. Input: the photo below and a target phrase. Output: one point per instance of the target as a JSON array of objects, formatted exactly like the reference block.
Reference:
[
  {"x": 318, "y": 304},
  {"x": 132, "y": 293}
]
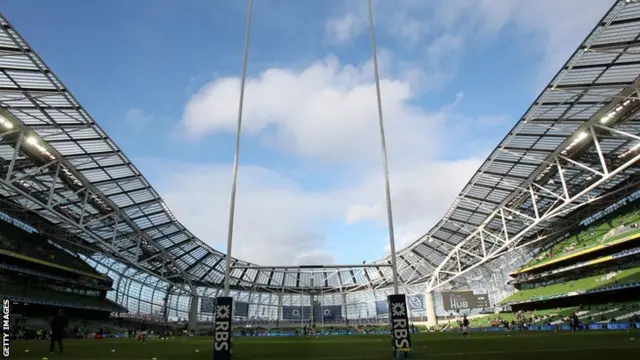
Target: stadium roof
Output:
[
  {"x": 584, "y": 123},
  {"x": 83, "y": 190}
]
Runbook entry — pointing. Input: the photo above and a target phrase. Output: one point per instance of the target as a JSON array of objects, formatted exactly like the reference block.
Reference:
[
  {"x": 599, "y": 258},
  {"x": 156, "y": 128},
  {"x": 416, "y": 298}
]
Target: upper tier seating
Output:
[
  {"x": 591, "y": 283},
  {"x": 613, "y": 228},
  {"x": 18, "y": 241},
  {"x": 43, "y": 295}
]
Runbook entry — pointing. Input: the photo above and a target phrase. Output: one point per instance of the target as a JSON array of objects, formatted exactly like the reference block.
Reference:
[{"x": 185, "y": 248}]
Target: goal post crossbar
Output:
[{"x": 309, "y": 267}]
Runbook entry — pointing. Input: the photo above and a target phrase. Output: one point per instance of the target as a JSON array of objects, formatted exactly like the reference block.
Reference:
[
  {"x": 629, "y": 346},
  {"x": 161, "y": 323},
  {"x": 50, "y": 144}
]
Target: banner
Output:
[
  {"x": 241, "y": 309},
  {"x": 207, "y": 305},
  {"x": 416, "y": 302},
  {"x": 222, "y": 328},
  {"x": 399, "y": 319},
  {"x": 382, "y": 307},
  {"x": 329, "y": 312},
  {"x": 296, "y": 313},
  {"x": 464, "y": 300}
]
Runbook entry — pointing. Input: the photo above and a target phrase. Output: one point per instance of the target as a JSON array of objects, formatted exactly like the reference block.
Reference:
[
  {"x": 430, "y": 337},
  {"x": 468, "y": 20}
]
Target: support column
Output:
[
  {"x": 280, "y": 303},
  {"x": 344, "y": 308},
  {"x": 193, "y": 314},
  {"x": 165, "y": 304},
  {"x": 314, "y": 305},
  {"x": 432, "y": 319}
]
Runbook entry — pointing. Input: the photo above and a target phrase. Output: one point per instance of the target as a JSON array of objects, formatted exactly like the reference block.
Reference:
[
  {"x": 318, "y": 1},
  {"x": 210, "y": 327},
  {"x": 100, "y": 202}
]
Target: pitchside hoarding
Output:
[{"x": 464, "y": 300}]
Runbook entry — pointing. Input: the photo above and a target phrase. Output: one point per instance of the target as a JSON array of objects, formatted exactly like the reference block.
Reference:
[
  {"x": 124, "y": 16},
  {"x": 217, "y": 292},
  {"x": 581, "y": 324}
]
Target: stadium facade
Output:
[{"x": 573, "y": 154}]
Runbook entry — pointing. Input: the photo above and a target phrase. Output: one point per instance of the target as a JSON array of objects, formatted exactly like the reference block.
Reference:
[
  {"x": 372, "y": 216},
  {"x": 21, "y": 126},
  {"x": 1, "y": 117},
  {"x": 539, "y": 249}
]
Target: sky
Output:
[{"x": 162, "y": 77}]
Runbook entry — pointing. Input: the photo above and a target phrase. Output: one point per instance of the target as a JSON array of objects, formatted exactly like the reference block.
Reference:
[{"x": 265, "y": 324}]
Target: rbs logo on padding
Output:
[
  {"x": 401, "y": 334},
  {"x": 400, "y": 326},
  {"x": 223, "y": 327}
]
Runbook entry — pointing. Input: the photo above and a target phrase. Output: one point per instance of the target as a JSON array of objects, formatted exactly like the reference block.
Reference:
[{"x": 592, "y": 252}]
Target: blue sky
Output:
[{"x": 161, "y": 77}]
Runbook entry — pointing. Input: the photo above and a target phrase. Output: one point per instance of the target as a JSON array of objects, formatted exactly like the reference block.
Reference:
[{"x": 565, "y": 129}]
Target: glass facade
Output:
[{"x": 147, "y": 296}]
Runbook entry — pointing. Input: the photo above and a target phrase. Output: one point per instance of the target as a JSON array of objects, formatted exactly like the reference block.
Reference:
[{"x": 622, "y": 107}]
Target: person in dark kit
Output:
[
  {"x": 58, "y": 324},
  {"x": 465, "y": 326},
  {"x": 575, "y": 322},
  {"x": 142, "y": 335}
]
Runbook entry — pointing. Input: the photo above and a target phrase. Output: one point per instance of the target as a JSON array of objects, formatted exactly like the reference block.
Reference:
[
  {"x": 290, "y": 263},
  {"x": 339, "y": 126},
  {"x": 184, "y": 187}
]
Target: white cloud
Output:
[
  {"x": 422, "y": 183},
  {"x": 443, "y": 59},
  {"x": 272, "y": 211},
  {"x": 421, "y": 195},
  {"x": 550, "y": 29},
  {"x": 561, "y": 28},
  {"x": 341, "y": 30},
  {"x": 410, "y": 29},
  {"x": 325, "y": 113},
  {"x": 137, "y": 119},
  {"x": 279, "y": 222}
]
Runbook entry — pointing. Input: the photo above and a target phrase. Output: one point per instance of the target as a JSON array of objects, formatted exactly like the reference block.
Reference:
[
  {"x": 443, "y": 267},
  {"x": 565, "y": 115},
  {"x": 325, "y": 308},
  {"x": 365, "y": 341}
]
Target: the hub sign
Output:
[
  {"x": 400, "y": 337},
  {"x": 463, "y": 300},
  {"x": 222, "y": 328}
]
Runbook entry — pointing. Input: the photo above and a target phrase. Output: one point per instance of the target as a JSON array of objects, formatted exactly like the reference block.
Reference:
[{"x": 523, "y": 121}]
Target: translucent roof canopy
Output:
[{"x": 83, "y": 191}]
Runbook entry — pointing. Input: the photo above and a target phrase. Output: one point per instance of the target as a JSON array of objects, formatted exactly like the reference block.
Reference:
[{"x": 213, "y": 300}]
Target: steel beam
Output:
[
  {"x": 460, "y": 266},
  {"x": 88, "y": 188},
  {"x": 73, "y": 223}
]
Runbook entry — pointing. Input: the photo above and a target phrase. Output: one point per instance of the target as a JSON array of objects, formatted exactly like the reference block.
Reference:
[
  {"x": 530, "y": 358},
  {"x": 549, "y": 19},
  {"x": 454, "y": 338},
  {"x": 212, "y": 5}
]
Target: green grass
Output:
[{"x": 488, "y": 346}]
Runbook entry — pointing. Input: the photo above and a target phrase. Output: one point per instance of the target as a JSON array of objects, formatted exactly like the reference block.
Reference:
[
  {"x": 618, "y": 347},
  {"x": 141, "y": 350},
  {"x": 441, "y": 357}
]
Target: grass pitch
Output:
[{"x": 489, "y": 346}]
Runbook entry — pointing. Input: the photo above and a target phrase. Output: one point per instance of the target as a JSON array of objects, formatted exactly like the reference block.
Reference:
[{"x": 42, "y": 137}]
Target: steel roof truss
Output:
[
  {"x": 567, "y": 202},
  {"x": 73, "y": 223}
]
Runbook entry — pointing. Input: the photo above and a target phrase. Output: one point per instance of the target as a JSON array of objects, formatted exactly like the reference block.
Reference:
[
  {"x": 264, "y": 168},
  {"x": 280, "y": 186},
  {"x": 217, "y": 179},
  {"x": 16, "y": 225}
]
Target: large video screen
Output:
[{"x": 464, "y": 300}]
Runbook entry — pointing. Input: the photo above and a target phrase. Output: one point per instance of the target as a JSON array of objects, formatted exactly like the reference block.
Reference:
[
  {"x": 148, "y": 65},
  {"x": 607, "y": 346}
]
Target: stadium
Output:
[{"x": 544, "y": 233}]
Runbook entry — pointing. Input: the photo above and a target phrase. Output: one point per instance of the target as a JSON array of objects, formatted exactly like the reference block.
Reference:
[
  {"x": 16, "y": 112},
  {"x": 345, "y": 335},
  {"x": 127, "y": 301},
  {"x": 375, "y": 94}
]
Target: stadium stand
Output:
[
  {"x": 161, "y": 271},
  {"x": 594, "y": 317},
  {"x": 600, "y": 257},
  {"x": 614, "y": 229},
  {"x": 40, "y": 277},
  {"x": 592, "y": 272}
]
